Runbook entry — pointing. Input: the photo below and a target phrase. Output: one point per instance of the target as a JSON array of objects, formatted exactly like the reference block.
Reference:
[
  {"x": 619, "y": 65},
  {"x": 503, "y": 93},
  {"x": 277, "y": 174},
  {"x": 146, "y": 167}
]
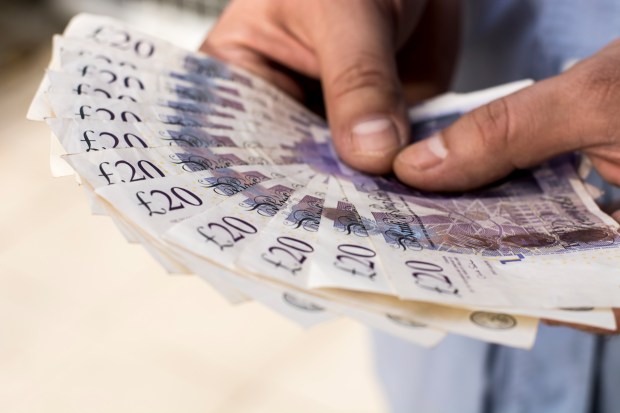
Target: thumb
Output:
[
  {"x": 362, "y": 91},
  {"x": 516, "y": 131}
]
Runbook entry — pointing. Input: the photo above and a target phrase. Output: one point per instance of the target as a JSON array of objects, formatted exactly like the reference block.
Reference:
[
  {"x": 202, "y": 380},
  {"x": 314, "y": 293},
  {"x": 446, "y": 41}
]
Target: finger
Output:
[
  {"x": 250, "y": 35},
  {"x": 363, "y": 95},
  {"x": 609, "y": 170},
  {"x": 256, "y": 64},
  {"x": 517, "y": 131}
]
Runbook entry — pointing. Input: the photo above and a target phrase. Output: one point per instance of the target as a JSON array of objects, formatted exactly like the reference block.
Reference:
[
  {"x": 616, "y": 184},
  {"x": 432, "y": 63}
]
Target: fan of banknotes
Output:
[{"x": 220, "y": 174}]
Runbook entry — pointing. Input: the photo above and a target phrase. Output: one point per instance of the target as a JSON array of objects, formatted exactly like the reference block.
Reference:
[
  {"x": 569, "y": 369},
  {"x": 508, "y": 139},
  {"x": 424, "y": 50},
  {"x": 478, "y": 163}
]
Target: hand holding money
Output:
[
  {"x": 360, "y": 75},
  {"x": 365, "y": 54},
  {"x": 220, "y": 174},
  {"x": 518, "y": 131},
  {"x": 575, "y": 110}
]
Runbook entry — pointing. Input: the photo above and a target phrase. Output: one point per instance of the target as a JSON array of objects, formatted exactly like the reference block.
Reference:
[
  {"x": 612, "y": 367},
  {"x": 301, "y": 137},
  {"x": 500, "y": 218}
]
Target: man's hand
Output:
[
  {"x": 357, "y": 48},
  {"x": 373, "y": 55},
  {"x": 577, "y": 110}
]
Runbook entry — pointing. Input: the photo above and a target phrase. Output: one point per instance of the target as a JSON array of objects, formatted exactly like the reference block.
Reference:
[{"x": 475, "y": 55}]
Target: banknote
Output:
[
  {"x": 239, "y": 236},
  {"x": 483, "y": 324},
  {"x": 221, "y": 233},
  {"x": 256, "y": 290},
  {"x": 134, "y": 234},
  {"x": 78, "y": 136},
  {"x": 463, "y": 249},
  {"x": 115, "y": 166},
  {"x": 219, "y": 236},
  {"x": 82, "y": 136},
  {"x": 266, "y": 207},
  {"x": 296, "y": 249},
  {"x": 70, "y": 136},
  {"x": 175, "y": 113},
  {"x": 157, "y": 204},
  {"x": 344, "y": 255},
  {"x": 285, "y": 250},
  {"x": 162, "y": 91},
  {"x": 197, "y": 69},
  {"x": 122, "y": 85},
  {"x": 89, "y": 108},
  {"x": 588, "y": 316},
  {"x": 147, "y": 51},
  {"x": 308, "y": 309},
  {"x": 294, "y": 303},
  {"x": 146, "y": 88},
  {"x": 220, "y": 174},
  {"x": 146, "y": 209},
  {"x": 60, "y": 140},
  {"x": 76, "y": 57},
  {"x": 287, "y": 243}
]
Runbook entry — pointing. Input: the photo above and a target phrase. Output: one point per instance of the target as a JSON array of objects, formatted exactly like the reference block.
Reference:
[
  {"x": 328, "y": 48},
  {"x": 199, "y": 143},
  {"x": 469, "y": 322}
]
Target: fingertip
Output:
[
  {"x": 371, "y": 143},
  {"x": 417, "y": 164}
]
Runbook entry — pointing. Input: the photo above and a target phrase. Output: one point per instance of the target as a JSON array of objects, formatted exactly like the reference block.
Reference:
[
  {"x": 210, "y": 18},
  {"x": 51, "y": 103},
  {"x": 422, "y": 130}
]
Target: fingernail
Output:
[
  {"x": 376, "y": 135},
  {"x": 428, "y": 153}
]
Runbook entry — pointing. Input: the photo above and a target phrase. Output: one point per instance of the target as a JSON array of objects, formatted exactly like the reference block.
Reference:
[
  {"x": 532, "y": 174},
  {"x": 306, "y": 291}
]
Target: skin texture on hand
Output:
[
  {"x": 576, "y": 110},
  {"x": 369, "y": 55},
  {"x": 369, "y": 58}
]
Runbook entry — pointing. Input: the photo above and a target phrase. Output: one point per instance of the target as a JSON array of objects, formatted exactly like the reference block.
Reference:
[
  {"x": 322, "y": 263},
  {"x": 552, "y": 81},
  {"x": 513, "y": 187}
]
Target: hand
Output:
[
  {"x": 577, "y": 110},
  {"x": 357, "y": 48},
  {"x": 360, "y": 49}
]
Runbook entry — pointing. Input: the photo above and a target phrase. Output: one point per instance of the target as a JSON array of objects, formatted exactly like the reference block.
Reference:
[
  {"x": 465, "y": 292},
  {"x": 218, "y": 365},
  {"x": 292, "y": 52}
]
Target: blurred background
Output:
[{"x": 90, "y": 323}]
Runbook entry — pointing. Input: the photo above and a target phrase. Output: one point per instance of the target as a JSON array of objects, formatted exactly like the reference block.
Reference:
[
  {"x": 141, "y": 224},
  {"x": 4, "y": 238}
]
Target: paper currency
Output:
[
  {"x": 218, "y": 173},
  {"x": 344, "y": 255},
  {"x": 454, "y": 249},
  {"x": 116, "y": 166}
]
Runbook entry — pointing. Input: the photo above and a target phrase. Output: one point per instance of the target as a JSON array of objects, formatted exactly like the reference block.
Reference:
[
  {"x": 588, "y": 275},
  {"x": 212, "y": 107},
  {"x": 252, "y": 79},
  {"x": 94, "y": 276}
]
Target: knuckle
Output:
[
  {"x": 597, "y": 93},
  {"x": 365, "y": 71},
  {"x": 492, "y": 122},
  {"x": 599, "y": 82}
]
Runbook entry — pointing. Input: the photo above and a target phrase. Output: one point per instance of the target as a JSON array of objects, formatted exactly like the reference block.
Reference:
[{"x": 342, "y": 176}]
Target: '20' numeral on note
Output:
[
  {"x": 227, "y": 232},
  {"x": 356, "y": 260},
  {"x": 142, "y": 165},
  {"x": 178, "y": 198},
  {"x": 289, "y": 254},
  {"x": 430, "y": 276}
]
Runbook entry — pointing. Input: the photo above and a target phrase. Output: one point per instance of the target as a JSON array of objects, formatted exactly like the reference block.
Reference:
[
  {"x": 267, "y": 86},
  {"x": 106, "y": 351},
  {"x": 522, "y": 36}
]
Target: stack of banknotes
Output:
[{"x": 220, "y": 174}]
